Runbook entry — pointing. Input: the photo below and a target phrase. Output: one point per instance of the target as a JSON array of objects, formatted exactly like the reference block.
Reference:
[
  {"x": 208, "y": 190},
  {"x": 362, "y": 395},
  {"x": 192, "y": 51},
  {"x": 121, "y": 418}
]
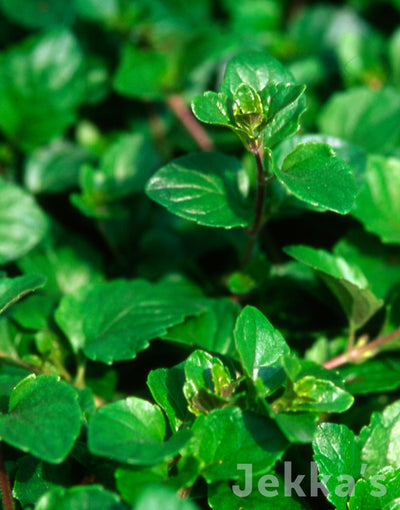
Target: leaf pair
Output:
[
  {"x": 258, "y": 97},
  {"x": 206, "y": 188}
]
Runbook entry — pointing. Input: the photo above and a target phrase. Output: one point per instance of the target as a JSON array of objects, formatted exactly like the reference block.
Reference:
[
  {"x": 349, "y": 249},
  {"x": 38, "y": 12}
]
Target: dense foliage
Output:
[{"x": 199, "y": 241}]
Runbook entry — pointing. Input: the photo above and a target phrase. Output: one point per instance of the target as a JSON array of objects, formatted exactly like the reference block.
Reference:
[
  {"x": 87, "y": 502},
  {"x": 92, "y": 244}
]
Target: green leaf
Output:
[
  {"x": 213, "y": 108},
  {"x": 363, "y": 116},
  {"x": 46, "y": 408},
  {"x": 125, "y": 168},
  {"x": 287, "y": 105},
  {"x": 166, "y": 386},
  {"x": 141, "y": 74},
  {"x": 34, "y": 477},
  {"x": 258, "y": 94},
  {"x": 319, "y": 395},
  {"x": 347, "y": 282},
  {"x": 314, "y": 174},
  {"x": 241, "y": 283},
  {"x": 337, "y": 453},
  {"x": 97, "y": 10},
  {"x": 222, "y": 497},
  {"x": 212, "y": 330},
  {"x": 255, "y": 69},
  {"x": 69, "y": 316},
  {"x": 67, "y": 265},
  {"x": 34, "y": 312},
  {"x": 42, "y": 82},
  {"x": 203, "y": 188},
  {"x": 22, "y": 223},
  {"x": 311, "y": 388},
  {"x": 90, "y": 497},
  {"x": 382, "y": 489},
  {"x": 377, "y": 205},
  {"x": 55, "y": 168},
  {"x": 132, "y": 481},
  {"x": 248, "y": 110},
  {"x": 158, "y": 497},
  {"x": 298, "y": 427},
  {"x": 119, "y": 318},
  {"x": 259, "y": 345},
  {"x": 353, "y": 155},
  {"x": 133, "y": 431},
  {"x": 255, "y": 17},
  {"x": 381, "y": 440},
  {"x": 34, "y": 15},
  {"x": 282, "y": 95},
  {"x": 10, "y": 376},
  {"x": 208, "y": 385},
  {"x": 14, "y": 289},
  {"x": 225, "y": 438},
  {"x": 379, "y": 263},
  {"x": 297, "y": 368},
  {"x": 373, "y": 376}
]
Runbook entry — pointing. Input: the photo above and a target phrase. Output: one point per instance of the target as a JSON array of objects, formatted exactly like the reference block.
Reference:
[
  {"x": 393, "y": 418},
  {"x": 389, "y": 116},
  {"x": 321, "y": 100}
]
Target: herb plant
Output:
[{"x": 235, "y": 348}]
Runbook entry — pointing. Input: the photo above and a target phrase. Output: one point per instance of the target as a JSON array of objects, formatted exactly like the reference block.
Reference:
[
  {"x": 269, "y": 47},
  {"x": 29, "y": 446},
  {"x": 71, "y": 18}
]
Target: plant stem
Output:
[
  {"x": 79, "y": 381},
  {"x": 196, "y": 131},
  {"x": 259, "y": 204},
  {"x": 5, "y": 358},
  {"x": 5, "y": 485},
  {"x": 354, "y": 354}
]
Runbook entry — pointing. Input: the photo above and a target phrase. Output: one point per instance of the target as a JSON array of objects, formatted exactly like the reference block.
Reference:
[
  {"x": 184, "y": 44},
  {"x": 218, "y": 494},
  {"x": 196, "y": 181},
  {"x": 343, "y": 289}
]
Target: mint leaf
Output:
[
  {"x": 34, "y": 478},
  {"x": 42, "y": 82},
  {"x": 133, "y": 431},
  {"x": 133, "y": 481},
  {"x": 255, "y": 69},
  {"x": 213, "y": 108},
  {"x": 42, "y": 406},
  {"x": 227, "y": 437},
  {"x": 22, "y": 223},
  {"x": 377, "y": 205},
  {"x": 380, "y": 440},
  {"x": 347, "y": 282},
  {"x": 380, "y": 489},
  {"x": 337, "y": 454},
  {"x": 13, "y": 289},
  {"x": 141, "y": 74},
  {"x": 363, "y": 116},
  {"x": 212, "y": 330},
  {"x": 55, "y": 167},
  {"x": 372, "y": 376},
  {"x": 203, "y": 188},
  {"x": 161, "y": 497},
  {"x": 259, "y": 345},
  {"x": 313, "y": 173},
  {"x": 208, "y": 385},
  {"x": 116, "y": 320},
  {"x": 353, "y": 155},
  {"x": 166, "y": 386},
  {"x": 222, "y": 497},
  {"x": 90, "y": 497}
]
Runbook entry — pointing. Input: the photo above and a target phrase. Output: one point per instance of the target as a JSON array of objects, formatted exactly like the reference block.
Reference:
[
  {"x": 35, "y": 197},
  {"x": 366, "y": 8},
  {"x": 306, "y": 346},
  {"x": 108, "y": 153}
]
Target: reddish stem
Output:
[
  {"x": 196, "y": 131},
  {"x": 5, "y": 485},
  {"x": 354, "y": 354}
]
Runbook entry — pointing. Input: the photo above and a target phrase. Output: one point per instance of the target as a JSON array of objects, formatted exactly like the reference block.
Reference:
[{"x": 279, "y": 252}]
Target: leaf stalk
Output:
[{"x": 358, "y": 353}]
